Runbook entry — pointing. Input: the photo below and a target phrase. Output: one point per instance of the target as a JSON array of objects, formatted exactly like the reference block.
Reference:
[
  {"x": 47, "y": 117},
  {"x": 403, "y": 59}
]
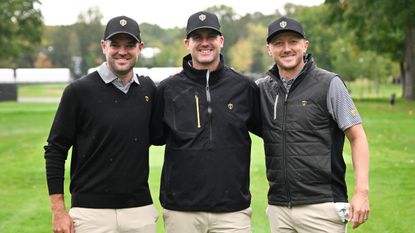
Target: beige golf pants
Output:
[
  {"x": 207, "y": 222},
  {"x": 321, "y": 218},
  {"x": 132, "y": 220}
]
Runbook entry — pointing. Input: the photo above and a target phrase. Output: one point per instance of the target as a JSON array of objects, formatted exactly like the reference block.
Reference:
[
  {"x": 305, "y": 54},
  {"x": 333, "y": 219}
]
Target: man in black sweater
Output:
[
  {"x": 105, "y": 118},
  {"x": 203, "y": 115}
]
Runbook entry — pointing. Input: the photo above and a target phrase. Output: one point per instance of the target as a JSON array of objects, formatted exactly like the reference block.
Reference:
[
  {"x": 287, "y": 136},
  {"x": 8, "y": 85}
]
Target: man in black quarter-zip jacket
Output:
[
  {"x": 204, "y": 114},
  {"x": 306, "y": 114}
]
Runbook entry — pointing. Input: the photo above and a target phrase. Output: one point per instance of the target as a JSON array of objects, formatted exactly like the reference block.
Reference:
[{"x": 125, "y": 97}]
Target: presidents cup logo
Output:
[
  {"x": 283, "y": 24},
  {"x": 202, "y": 17},
  {"x": 353, "y": 112},
  {"x": 123, "y": 22}
]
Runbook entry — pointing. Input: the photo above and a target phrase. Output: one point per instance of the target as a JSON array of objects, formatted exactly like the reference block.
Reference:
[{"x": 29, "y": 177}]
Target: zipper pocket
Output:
[
  {"x": 197, "y": 111},
  {"x": 275, "y": 107}
]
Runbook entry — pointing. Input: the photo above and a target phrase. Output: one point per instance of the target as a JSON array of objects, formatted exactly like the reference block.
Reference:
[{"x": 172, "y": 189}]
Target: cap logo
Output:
[
  {"x": 202, "y": 17},
  {"x": 230, "y": 106},
  {"x": 283, "y": 24},
  {"x": 123, "y": 22}
]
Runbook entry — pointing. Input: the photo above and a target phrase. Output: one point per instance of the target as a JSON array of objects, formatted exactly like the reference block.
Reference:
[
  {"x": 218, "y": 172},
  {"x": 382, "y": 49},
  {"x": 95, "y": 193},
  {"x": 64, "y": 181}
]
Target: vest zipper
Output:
[
  {"x": 284, "y": 157},
  {"x": 275, "y": 107}
]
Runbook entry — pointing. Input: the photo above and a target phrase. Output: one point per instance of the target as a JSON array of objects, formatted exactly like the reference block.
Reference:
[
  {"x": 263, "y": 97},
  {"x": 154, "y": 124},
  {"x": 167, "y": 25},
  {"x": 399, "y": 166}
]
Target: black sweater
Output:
[
  {"x": 109, "y": 135},
  {"x": 205, "y": 127}
]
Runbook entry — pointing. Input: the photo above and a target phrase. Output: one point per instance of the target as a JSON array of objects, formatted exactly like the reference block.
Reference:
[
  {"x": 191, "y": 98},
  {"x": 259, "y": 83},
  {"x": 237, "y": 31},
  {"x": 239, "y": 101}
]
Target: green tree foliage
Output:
[
  {"x": 89, "y": 31},
  {"x": 351, "y": 63},
  {"x": 387, "y": 27},
  {"x": 168, "y": 41},
  {"x": 248, "y": 54},
  {"x": 62, "y": 44},
  {"x": 331, "y": 42},
  {"x": 76, "y": 46},
  {"x": 240, "y": 55},
  {"x": 320, "y": 32},
  {"x": 154, "y": 34},
  {"x": 20, "y": 29},
  {"x": 334, "y": 46},
  {"x": 171, "y": 54},
  {"x": 230, "y": 27}
]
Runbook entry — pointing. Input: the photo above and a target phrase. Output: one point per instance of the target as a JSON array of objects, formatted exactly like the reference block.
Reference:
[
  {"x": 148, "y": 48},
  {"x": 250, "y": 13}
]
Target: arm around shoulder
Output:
[
  {"x": 157, "y": 127},
  {"x": 255, "y": 122}
]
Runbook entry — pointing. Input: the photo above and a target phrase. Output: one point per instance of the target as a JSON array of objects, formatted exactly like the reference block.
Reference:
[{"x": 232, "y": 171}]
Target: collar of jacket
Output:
[
  {"x": 309, "y": 63},
  {"x": 199, "y": 76}
]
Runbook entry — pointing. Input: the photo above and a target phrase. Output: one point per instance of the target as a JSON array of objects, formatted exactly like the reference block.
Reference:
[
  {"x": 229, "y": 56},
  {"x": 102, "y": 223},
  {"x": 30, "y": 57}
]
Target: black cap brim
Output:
[
  {"x": 122, "y": 32},
  {"x": 203, "y": 27},
  {"x": 269, "y": 38}
]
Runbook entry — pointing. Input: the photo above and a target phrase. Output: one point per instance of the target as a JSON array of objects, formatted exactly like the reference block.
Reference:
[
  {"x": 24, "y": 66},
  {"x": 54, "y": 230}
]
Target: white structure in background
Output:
[
  {"x": 157, "y": 74},
  {"x": 149, "y": 52},
  {"x": 63, "y": 75},
  {"x": 7, "y": 76},
  {"x": 43, "y": 75}
]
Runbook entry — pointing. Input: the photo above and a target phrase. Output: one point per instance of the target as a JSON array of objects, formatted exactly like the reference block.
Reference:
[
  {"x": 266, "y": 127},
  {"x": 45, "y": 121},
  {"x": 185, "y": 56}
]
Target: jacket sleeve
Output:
[
  {"x": 61, "y": 138},
  {"x": 158, "y": 129},
  {"x": 255, "y": 122}
]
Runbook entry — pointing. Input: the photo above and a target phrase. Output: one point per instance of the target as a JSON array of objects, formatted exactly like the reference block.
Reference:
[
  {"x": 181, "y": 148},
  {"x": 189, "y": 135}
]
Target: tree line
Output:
[{"x": 358, "y": 39}]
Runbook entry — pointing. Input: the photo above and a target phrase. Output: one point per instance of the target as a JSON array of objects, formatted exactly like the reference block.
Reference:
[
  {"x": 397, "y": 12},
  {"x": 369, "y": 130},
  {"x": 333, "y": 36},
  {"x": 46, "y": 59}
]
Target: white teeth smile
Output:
[{"x": 205, "y": 51}]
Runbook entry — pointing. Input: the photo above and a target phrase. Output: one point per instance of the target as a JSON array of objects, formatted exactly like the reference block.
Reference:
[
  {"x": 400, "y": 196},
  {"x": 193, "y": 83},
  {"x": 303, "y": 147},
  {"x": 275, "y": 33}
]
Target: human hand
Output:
[
  {"x": 359, "y": 209},
  {"x": 62, "y": 222}
]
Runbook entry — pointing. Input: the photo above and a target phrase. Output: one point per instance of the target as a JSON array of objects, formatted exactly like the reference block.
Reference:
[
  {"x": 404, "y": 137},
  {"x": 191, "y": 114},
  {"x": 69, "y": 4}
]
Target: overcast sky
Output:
[{"x": 165, "y": 13}]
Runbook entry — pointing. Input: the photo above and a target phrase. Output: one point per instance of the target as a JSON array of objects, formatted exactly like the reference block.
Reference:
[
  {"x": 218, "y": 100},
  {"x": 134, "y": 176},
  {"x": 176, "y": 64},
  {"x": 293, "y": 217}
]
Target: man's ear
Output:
[
  {"x": 103, "y": 46},
  {"x": 186, "y": 43},
  {"x": 268, "y": 50}
]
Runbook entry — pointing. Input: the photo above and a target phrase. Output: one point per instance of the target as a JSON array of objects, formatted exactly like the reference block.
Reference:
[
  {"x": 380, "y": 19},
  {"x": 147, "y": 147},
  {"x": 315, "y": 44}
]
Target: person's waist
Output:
[{"x": 111, "y": 200}]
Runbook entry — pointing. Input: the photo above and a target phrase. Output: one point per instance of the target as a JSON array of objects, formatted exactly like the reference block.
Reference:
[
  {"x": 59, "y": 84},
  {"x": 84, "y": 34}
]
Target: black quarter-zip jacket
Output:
[{"x": 205, "y": 126}]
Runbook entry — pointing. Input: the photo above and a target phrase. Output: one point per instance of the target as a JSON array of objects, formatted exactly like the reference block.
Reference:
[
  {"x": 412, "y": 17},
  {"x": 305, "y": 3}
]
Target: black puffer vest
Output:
[{"x": 303, "y": 145}]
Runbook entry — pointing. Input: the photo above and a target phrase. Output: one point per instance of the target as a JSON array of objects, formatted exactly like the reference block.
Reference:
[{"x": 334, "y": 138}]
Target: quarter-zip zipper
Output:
[
  {"x": 209, "y": 107},
  {"x": 197, "y": 111}
]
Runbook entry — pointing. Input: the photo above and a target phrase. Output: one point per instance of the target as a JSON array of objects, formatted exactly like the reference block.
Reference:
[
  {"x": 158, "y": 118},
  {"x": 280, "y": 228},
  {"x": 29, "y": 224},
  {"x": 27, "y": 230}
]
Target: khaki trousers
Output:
[
  {"x": 305, "y": 219},
  {"x": 132, "y": 220},
  {"x": 207, "y": 222}
]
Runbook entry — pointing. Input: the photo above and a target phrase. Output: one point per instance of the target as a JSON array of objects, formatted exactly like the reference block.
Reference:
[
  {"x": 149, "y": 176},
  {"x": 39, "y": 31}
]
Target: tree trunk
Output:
[
  {"x": 402, "y": 77},
  {"x": 409, "y": 63}
]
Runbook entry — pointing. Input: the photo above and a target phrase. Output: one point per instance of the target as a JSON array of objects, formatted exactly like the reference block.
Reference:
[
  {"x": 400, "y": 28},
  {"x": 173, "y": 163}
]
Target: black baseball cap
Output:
[
  {"x": 202, "y": 19},
  {"x": 122, "y": 24},
  {"x": 284, "y": 24}
]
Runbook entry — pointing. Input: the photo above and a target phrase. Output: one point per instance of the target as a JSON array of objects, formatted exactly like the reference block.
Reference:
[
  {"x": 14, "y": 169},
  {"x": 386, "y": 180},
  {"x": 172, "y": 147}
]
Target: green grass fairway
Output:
[{"x": 24, "y": 202}]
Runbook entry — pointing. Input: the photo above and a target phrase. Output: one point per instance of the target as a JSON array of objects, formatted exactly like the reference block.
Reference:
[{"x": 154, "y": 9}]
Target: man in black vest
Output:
[
  {"x": 306, "y": 114},
  {"x": 105, "y": 118}
]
